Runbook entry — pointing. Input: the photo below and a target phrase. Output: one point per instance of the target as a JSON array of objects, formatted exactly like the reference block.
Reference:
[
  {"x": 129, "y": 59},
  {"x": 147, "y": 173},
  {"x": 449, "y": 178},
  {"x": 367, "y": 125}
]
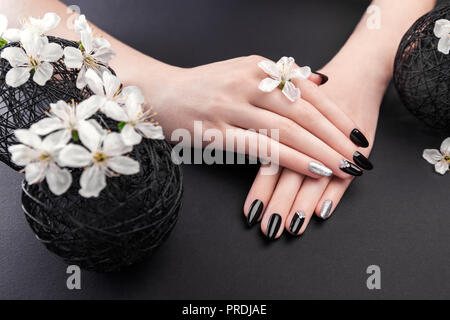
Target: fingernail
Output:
[
  {"x": 362, "y": 161},
  {"x": 319, "y": 169},
  {"x": 273, "y": 226},
  {"x": 325, "y": 211},
  {"x": 350, "y": 168},
  {"x": 358, "y": 138},
  {"x": 254, "y": 213},
  {"x": 324, "y": 78},
  {"x": 297, "y": 222}
]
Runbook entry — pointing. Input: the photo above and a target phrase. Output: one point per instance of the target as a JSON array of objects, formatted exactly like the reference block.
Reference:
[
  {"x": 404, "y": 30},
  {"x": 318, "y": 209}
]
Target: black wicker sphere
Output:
[
  {"x": 132, "y": 216},
  {"x": 22, "y": 106},
  {"x": 422, "y": 73}
]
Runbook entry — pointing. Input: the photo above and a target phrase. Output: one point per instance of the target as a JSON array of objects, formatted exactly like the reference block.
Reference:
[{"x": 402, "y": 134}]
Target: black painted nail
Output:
[
  {"x": 362, "y": 161},
  {"x": 273, "y": 226},
  {"x": 297, "y": 222},
  {"x": 255, "y": 212},
  {"x": 324, "y": 78},
  {"x": 358, "y": 138},
  {"x": 350, "y": 168}
]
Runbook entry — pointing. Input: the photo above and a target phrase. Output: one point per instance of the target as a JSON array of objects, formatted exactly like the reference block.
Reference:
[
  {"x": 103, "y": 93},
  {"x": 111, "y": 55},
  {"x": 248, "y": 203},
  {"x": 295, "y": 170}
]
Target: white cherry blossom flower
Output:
[
  {"x": 40, "y": 159},
  {"x": 33, "y": 25},
  {"x": 66, "y": 117},
  {"x": 93, "y": 53},
  {"x": 104, "y": 157},
  {"x": 134, "y": 122},
  {"x": 110, "y": 91},
  {"x": 281, "y": 74},
  {"x": 442, "y": 31},
  {"x": 34, "y": 57},
  {"x": 440, "y": 158},
  {"x": 7, "y": 35}
]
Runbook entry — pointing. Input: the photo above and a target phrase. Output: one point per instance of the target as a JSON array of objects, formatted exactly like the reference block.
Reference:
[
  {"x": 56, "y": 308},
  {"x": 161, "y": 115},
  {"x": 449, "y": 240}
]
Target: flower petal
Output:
[
  {"x": 444, "y": 45},
  {"x": 61, "y": 110},
  {"x": 3, "y": 23},
  {"x": 15, "y": 56},
  {"x": 445, "y": 147},
  {"x": 94, "y": 82},
  {"x": 80, "y": 24},
  {"x": 12, "y": 35},
  {"x": 270, "y": 68},
  {"x": 131, "y": 93},
  {"x": 112, "y": 110},
  {"x": 432, "y": 155},
  {"x": 56, "y": 140},
  {"x": 129, "y": 136},
  {"x": 87, "y": 108},
  {"x": 441, "y": 28},
  {"x": 35, "y": 172},
  {"x": 89, "y": 136},
  {"x": 111, "y": 84},
  {"x": 81, "y": 78},
  {"x": 268, "y": 84},
  {"x": 46, "y": 125},
  {"x": 58, "y": 180},
  {"x": 113, "y": 145},
  {"x": 49, "y": 21},
  {"x": 103, "y": 54},
  {"x": 17, "y": 76},
  {"x": 302, "y": 73},
  {"x": 290, "y": 91},
  {"x": 51, "y": 52},
  {"x": 32, "y": 42},
  {"x": 123, "y": 165},
  {"x": 21, "y": 154},
  {"x": 73, "y": 58},
  {"x": 74, "y": 156},
  {"x": 86, "y": 41},
  {"x": 441, "y": 167},
  {"x": 150, "y": 131},
  {"x": 43, "y": 73},
  {"x": 28, "y": 138},
  {"x": 92, "y": 182}
]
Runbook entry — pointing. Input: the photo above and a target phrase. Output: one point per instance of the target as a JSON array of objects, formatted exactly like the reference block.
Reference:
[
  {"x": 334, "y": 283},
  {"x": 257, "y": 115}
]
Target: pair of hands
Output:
[{"x": 314, "y": 129}]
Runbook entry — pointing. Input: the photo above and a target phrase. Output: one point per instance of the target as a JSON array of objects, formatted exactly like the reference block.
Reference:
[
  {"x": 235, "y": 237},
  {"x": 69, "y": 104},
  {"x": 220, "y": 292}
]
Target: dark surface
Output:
[{"x": 396, "y": 216}]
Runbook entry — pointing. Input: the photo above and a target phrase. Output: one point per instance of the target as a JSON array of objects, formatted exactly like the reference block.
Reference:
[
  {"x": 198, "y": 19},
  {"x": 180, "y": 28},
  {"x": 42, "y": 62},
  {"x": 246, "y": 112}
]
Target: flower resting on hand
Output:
[{"x": 281, "y": 74}]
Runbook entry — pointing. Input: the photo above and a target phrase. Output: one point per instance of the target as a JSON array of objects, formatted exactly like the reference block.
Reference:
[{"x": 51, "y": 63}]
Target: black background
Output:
[{"x": 397, "y": 216}]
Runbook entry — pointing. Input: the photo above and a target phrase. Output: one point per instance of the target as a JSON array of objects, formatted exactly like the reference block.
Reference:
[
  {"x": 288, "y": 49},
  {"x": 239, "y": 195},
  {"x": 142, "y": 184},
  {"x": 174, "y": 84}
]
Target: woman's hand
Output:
[
  {"x": 313, "y": 131},
  {"x": 288, "y": 200}
]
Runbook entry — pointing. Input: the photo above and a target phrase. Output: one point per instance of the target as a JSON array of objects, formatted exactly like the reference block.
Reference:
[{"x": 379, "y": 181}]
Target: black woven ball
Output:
[
  {"x": 132, "y": 216},
  {"x": 422, "y": 73},
  {"x": 22, "y": 106}
]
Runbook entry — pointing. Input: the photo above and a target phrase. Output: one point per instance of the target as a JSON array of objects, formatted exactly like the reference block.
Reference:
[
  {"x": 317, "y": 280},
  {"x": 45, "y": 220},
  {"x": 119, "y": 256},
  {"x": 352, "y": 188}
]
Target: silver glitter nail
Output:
[
  {"x": 326, "y": 209},
  {"x": 344, "y": 164},
  {"x": 319, "y": 169}
]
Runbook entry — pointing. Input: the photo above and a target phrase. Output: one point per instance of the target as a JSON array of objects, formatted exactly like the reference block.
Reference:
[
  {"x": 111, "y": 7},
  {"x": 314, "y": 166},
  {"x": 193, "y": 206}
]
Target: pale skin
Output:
[{"x": 225, "y": 95}]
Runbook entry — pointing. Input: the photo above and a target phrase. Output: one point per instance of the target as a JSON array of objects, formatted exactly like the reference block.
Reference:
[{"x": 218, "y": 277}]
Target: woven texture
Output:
[
  {"x": 422, "y": 73},
  {"x": 22, "y": 106},
  {"x": 132, "y": 216}
]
